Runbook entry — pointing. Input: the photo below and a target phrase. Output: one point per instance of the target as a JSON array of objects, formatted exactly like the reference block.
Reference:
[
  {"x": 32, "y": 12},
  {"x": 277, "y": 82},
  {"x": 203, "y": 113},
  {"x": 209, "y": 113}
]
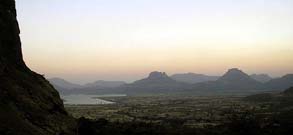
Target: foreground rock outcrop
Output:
[{"x": 29, "y": 105}]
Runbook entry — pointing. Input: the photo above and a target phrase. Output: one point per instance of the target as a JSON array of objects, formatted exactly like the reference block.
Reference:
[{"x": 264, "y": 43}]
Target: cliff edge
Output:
[{"x": 29, "y": 105}]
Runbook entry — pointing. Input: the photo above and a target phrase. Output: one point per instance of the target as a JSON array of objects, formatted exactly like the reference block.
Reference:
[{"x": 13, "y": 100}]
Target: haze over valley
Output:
[
  {"x": 232, "y": 82},
  {"x": 146, "y": 67}
]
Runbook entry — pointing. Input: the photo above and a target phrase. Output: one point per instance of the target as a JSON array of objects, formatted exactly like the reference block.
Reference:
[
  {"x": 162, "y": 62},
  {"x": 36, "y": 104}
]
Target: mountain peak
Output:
[
  {"x": 157, "y": 75},
  {"x": 235, "y": 74},
  {"x": 234, "y": 70},
  {"x": 156, "y": 78},
  {"x": 234, "y": 79}
]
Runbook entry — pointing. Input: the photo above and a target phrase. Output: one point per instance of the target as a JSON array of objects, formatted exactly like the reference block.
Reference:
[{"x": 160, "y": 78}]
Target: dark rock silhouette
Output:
[
  {"x": 10, "y": 48},
  {"x": 29, "y": 105}
]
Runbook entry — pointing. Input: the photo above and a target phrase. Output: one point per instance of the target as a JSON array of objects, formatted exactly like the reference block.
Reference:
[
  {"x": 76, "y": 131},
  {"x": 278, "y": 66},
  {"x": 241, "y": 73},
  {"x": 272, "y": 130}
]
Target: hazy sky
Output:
[{"x": 85, "y": 40}]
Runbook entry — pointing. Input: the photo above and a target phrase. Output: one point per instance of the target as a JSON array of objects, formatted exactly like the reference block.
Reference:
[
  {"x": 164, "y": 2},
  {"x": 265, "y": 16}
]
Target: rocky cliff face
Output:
[
  {"x": 29, "y": 105},
  {"x": 10, "y": 49}
]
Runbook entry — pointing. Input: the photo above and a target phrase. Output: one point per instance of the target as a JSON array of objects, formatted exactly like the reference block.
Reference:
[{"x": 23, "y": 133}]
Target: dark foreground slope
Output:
[
  {"x": 29, "y": 105},
  {"x": 285, "y": 97}
]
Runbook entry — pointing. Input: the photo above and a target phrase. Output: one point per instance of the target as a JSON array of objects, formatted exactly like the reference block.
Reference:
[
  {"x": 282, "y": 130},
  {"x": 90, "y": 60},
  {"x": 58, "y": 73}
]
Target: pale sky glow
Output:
[{"x": 86, "y": 40}]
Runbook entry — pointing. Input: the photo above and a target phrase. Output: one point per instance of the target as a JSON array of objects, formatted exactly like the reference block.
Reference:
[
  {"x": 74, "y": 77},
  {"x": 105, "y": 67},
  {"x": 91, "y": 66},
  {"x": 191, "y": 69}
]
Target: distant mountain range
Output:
[
  {"x": 156, "y": 82},
  {"x": 261, "y": 77},
  {"x": 63, "y": 83},
  {"x": 280, "y": 83},
  {"x": 105, "y": 84},
  {"x": 233, "y": 81},
  {"x": 193, "y": 78},
  {"x": 98, "y": 87},
  {"x": 63, "y": 86}
]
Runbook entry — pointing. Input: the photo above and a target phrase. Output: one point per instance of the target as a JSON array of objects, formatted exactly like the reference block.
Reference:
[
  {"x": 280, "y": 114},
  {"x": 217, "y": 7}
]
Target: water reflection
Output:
[{"x": 87, "y": 99}]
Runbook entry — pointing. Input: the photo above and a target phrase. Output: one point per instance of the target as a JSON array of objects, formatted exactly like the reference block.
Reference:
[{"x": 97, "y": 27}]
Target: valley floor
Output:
[
  {"x": 192, "y": 111},
  {"x": 184, "y": 115}
]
